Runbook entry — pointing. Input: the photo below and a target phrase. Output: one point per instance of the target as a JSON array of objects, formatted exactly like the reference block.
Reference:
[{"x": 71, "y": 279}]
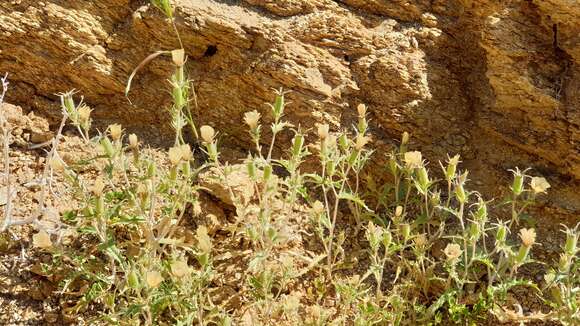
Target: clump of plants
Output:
[{"x": 434, "y": 252}]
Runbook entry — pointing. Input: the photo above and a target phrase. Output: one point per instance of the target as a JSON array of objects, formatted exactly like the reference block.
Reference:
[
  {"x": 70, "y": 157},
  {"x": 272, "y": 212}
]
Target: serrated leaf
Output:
[{"x": 353, "y": 198}]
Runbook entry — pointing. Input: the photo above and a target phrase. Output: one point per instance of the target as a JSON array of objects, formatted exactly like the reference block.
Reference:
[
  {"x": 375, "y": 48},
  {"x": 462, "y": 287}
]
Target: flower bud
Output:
[
  {"x": 399, "y": 211},
  {"x": 405, "y": 138},
  {"x": 373, "y": 236}
]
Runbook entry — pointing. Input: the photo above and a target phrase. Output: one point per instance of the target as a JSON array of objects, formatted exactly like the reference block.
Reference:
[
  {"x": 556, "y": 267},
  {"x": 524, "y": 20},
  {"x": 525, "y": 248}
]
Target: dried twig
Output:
[{"x": 6, "y": 139}]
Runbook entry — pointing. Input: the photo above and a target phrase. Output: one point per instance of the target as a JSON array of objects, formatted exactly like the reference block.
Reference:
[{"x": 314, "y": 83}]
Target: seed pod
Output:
[
  {"x": 278, "y": 108},
  {"x": 297, "y": 144},
  {"x": 522, "y": 254},
  {"x": 405, "y": 231},
  {"x": 564, "y": 263},
  {"x": 571, "y": 243},
  {"x": 133, "y": 280},
  {"x": 424, "y": 178},
  {"x": 501, "y": 234},
  {"x": 267, "y": 173},
  {"x": 107, "y": 147},
  {"x": 460, "y": 193},
  {"x": 343, "y": 142},
  {"x": 451, "y": 168},
  {"x": 387, "y": 239},
  {"x": 518, "y": 184},
  {"x": 151, "y": 169},
  {"x": 251, "y": 167}
]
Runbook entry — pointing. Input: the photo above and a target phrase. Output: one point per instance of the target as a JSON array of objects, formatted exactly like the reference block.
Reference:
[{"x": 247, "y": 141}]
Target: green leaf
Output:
[{"x": 353, "y": 198}]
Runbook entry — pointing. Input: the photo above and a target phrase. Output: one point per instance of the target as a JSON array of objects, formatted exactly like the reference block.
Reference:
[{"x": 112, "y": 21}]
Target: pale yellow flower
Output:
[
  {"x": 361, "y": 142},
  {"x": 539, "y": 185},
  {"x": 420, "y": 241},
  {"x": 203, "y": 239},
  {"x": 323, "y": 130},
  {"x": 362, "y": 110},
  {"x": 178, "y": 57},
  {"x": 317, "y": 207},
  {"x": 56, "y": 164},
  {"x": 413, "y": 159},
  {"x": 399, "y": 211},
  {"x": 528, "y": 237},
  {"x": 153, "y": 278},
  {"x": 41, "y": 240},
  {"x": 179, "y": 268},
  {"x": 186, "y": 153},
  {"x": 133, "y": 141},
  {"x": 175, "y": 155},
  {"x": 454, "y": 160},
  {"x": 84, "y": 113},
  {"x": 252, "y": 119},
  {"x": 207, "y": 134},
  {"x": 98, "y": 187},
  {"x": 115, "y": 130},
  {"x": 452, "y": 251}
]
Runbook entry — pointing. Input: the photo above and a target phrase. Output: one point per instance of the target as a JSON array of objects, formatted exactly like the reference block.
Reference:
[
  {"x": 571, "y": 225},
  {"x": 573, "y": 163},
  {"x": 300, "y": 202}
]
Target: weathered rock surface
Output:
[{"x": 498, "y": 82}]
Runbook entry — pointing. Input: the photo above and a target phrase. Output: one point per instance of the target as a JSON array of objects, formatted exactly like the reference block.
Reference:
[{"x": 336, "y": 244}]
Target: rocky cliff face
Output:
[{"x": 496, "y": 81}]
